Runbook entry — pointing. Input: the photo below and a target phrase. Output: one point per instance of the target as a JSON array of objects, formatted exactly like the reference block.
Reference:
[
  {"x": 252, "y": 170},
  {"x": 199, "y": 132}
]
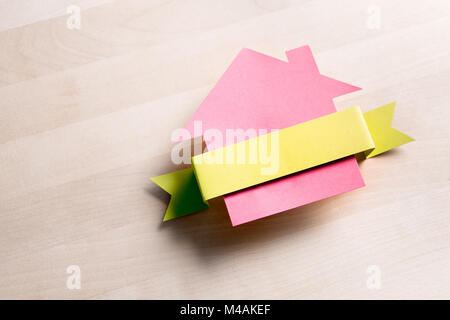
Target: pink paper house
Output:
[{"x": 261, "y": 92}]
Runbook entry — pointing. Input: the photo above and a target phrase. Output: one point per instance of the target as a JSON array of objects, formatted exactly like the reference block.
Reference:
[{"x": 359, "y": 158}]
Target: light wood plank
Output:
[{"x": 86, "y": 120}]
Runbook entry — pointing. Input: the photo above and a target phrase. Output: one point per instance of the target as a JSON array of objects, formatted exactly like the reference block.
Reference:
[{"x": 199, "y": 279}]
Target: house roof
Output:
[{"x": 262, "y": 92}]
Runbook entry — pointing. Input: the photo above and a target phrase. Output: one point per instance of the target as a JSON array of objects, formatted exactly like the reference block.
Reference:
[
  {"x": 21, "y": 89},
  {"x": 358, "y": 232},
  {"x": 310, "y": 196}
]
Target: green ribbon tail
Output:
[
  {"x": 383, "y": 135},
  {"x": 186, "y": 197}
]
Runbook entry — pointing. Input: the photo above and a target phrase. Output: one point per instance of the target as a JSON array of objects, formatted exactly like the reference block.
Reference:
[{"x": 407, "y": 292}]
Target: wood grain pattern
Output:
[{"x": 86, "y": 117}]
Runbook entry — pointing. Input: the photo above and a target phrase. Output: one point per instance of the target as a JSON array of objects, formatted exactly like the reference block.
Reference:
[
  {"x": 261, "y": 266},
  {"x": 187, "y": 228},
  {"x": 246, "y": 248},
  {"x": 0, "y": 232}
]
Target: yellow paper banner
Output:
[
  {"x": 294, "y": 149},
  {"x": 278, "y": 154}
]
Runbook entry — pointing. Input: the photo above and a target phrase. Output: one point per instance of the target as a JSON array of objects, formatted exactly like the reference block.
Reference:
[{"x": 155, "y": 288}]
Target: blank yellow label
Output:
[{"x": 277, "y": 154}]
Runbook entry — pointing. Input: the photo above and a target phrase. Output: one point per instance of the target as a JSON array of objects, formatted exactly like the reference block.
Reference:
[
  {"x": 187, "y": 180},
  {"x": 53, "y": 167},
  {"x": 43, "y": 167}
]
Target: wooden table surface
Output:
[{"x": 86, "y": 116}]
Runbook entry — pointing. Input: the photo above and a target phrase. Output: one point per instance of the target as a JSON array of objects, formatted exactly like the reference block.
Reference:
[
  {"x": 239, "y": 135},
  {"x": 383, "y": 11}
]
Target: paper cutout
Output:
[
  {"x": 261, "y": 92},
  {"x": 340, "y": 175},
  {"x": 184, "y": 191},
  {"x": 384, "y": 136},
  {"x": 301, "y": 147}
]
